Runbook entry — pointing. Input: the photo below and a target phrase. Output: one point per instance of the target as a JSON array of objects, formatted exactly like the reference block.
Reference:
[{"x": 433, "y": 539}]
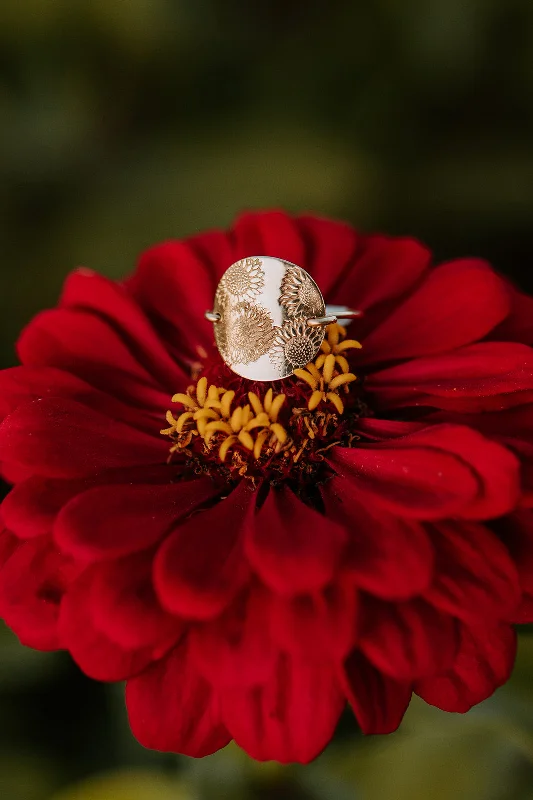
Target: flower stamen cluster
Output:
[
  {"x": 210, "y": 414},
  {"x": 218, "y": 427},
  {"x": 330, "y": 371}
]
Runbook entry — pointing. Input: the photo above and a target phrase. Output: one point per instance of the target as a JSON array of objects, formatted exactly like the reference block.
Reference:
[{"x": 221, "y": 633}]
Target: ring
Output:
[{"x": 270, "y": 318}]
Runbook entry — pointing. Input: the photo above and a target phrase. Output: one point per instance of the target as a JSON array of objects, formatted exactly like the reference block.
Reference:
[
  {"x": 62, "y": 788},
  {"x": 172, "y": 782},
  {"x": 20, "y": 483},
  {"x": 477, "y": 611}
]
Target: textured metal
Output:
[{"x": 264, "y": 305}]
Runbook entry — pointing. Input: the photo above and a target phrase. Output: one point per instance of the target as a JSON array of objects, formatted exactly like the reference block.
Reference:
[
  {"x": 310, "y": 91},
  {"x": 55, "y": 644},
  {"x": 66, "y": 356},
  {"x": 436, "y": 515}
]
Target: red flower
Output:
[{"x": 375, "y": 536}]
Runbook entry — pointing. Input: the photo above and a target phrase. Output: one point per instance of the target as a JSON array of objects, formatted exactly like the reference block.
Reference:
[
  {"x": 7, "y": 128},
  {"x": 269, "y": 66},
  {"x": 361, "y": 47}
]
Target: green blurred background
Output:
[{"x": 123, "y": 122}]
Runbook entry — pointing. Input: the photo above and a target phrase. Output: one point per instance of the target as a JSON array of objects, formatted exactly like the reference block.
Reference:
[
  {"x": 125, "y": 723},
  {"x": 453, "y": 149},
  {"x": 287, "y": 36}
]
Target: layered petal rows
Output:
[{"x": 248, "y": 609}]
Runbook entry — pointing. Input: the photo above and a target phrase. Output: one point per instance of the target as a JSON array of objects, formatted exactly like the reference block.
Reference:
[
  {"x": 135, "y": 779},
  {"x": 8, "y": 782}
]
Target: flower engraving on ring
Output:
[
  {"x": 299, "y": 294},
  {"x": 295, "y": 344},
  {"x": 245, "y": 279}
]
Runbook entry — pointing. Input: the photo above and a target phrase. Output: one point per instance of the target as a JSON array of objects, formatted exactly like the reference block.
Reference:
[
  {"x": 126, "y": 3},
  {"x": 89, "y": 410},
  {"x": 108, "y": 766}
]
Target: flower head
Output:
[{"x": 357, "y": 532}]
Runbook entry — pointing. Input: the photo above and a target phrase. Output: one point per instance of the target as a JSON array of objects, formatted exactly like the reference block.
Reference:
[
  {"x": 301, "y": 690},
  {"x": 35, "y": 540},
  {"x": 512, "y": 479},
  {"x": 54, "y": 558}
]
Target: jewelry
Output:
[{"x": 270, "y": 318}]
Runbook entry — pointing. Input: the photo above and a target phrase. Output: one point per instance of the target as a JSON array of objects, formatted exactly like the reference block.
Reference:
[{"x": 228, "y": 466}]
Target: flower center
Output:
[{"x": 229, "y": 426}]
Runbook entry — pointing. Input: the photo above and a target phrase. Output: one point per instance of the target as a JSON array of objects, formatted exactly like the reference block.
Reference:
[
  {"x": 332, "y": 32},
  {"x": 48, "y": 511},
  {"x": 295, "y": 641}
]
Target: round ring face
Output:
[{"x": 264, "y": 304}]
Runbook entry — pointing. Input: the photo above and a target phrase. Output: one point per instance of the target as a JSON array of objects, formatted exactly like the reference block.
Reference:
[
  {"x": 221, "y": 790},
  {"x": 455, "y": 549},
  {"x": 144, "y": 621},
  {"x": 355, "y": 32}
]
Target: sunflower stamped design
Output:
[{"x": 269, "y": 317}]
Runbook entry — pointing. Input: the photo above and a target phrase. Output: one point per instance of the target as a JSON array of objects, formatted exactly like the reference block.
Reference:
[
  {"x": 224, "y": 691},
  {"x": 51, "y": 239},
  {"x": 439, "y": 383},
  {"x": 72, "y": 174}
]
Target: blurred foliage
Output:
[{"x": 128, "y": 121}]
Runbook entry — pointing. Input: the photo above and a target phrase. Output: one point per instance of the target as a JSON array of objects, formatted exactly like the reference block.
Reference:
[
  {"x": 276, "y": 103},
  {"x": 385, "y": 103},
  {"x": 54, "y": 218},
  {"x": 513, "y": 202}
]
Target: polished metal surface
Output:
[{"x": 261, "y": 314}]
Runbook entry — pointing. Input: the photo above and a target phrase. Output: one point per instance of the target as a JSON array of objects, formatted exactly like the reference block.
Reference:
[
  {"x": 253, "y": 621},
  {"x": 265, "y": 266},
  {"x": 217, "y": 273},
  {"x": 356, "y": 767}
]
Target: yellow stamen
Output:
[
  {"x": 329, "y": 366},
  {"x": 184, "y": 418},
  {"x": 340, "y": 380},
  {"x": 236, "y": 419},
  {"x": 348, "y": 344},
  {"x": 185, "y": 400},
  {"x": 255, "y": 402},
  {"x": 307, "y": 377},
  {"x": 275, "y": 408},
  {"x": 314, "y": 400},
  {"x": 225, "y": 446},
  {"x": 334, "y": 398},
  {"x": 343, "y": 363},
  {"x": 259, "y": 442},
  {"x": 267, "y": 402},
  {"x": 201, "y": 391},
  {"x": 279, "y": 432},
  {"x": 246, "y": 439},
  {"x": 225, "y": 403}
]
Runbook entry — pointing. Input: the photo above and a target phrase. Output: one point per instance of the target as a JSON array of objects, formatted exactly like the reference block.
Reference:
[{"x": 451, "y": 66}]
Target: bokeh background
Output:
[{"x": 123, "y": 122}]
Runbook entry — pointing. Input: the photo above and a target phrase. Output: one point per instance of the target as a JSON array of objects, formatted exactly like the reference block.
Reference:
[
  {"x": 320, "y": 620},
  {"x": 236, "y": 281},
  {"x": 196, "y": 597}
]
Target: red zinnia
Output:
[{"x": 364, "y": 538}]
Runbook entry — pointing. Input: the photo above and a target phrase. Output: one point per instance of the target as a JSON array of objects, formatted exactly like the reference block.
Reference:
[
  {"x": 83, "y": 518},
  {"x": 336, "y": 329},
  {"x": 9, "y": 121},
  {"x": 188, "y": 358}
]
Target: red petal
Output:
[
  {"x": 31, "y": 506},
  {"x": 378, "y": 702},
  {"x": 475, "y": 579},
  {"x": 330, "y": 251},
  {"x": 98, "y": 656},
  {"x": 8, "y": 545},
  {"x": 81, "y": 343},
  {"x": 518, "y": 326},
  {"x": 441, "y": 471},
  {"x": 457, "y": 304},
  {"x": 290, "y": 718},
  {"x": 200, "y": 567},
  {"x": 111, "y": 521},
  {"x": 318, "y": 627},
  {"x": 176, "y": 287},
  {"x": 19, "y": 385},
  {"x": 236, "y": 649},
  {"x": 387, "y": 556},
  {"x": 407, "y": 640},
  {"x": 271, "y": 233},
  {"x": 292, "y": 547},
  {"x": 517, "y": 535},
  {"x": 384, "y": 270},
  {"x": 125, "y": 607},
  {"x": 32, "y": 583},
  {"x": 172, "y": 708},
  {"x": 489, "y": 376},
  {"x": 60, "y": 438},
  {"x": 108, "y": 300},
  {"x": 485, "y": 662}
]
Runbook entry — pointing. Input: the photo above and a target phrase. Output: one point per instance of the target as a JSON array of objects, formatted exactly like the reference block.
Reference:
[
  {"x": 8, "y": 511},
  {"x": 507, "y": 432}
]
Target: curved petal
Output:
[
  {"x": 32, "y": 583},
  {"x": 439, "y": 472},
  {"x": 488, "y": 376},
  {"x": 30, "y": 508},
  {"x": 111, "y": 302},
  {"x": 518, "y": 325},
  {"x": 407, "y": 640},
  {"x": 94, "y": 652},
  {"x": 321, "y": 626},
  {"x": 175, "y": 287},
  {"x": 236, "y": 649},
  {"x": 485, "y": 662},
  {"x": 384, "y": 270},
  {"x": 516, "y": 533},
  {"x": 475, "y": 579},
  {"x": 59, "y": 438},
  {"x": 378, "y": 702},
  {"x": 90, "y": 348},
  {"x": 291, "y": 717},
  {"x": 125, "y": 607},
  {"x": 8, "y": 545},
  {"x": 457, "y": 304},
  {"x": 292, "y": 547},
  {"x": 386, "y": 555},
  {"x": 111, "y": 521},
  {"x": 271, "y": 233},
  {"x": 20, "y": 385},
  {"x": 173, "y": 709},
  {"x": 330, "y": 250},
  {"x": 201, "y": 566}
]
